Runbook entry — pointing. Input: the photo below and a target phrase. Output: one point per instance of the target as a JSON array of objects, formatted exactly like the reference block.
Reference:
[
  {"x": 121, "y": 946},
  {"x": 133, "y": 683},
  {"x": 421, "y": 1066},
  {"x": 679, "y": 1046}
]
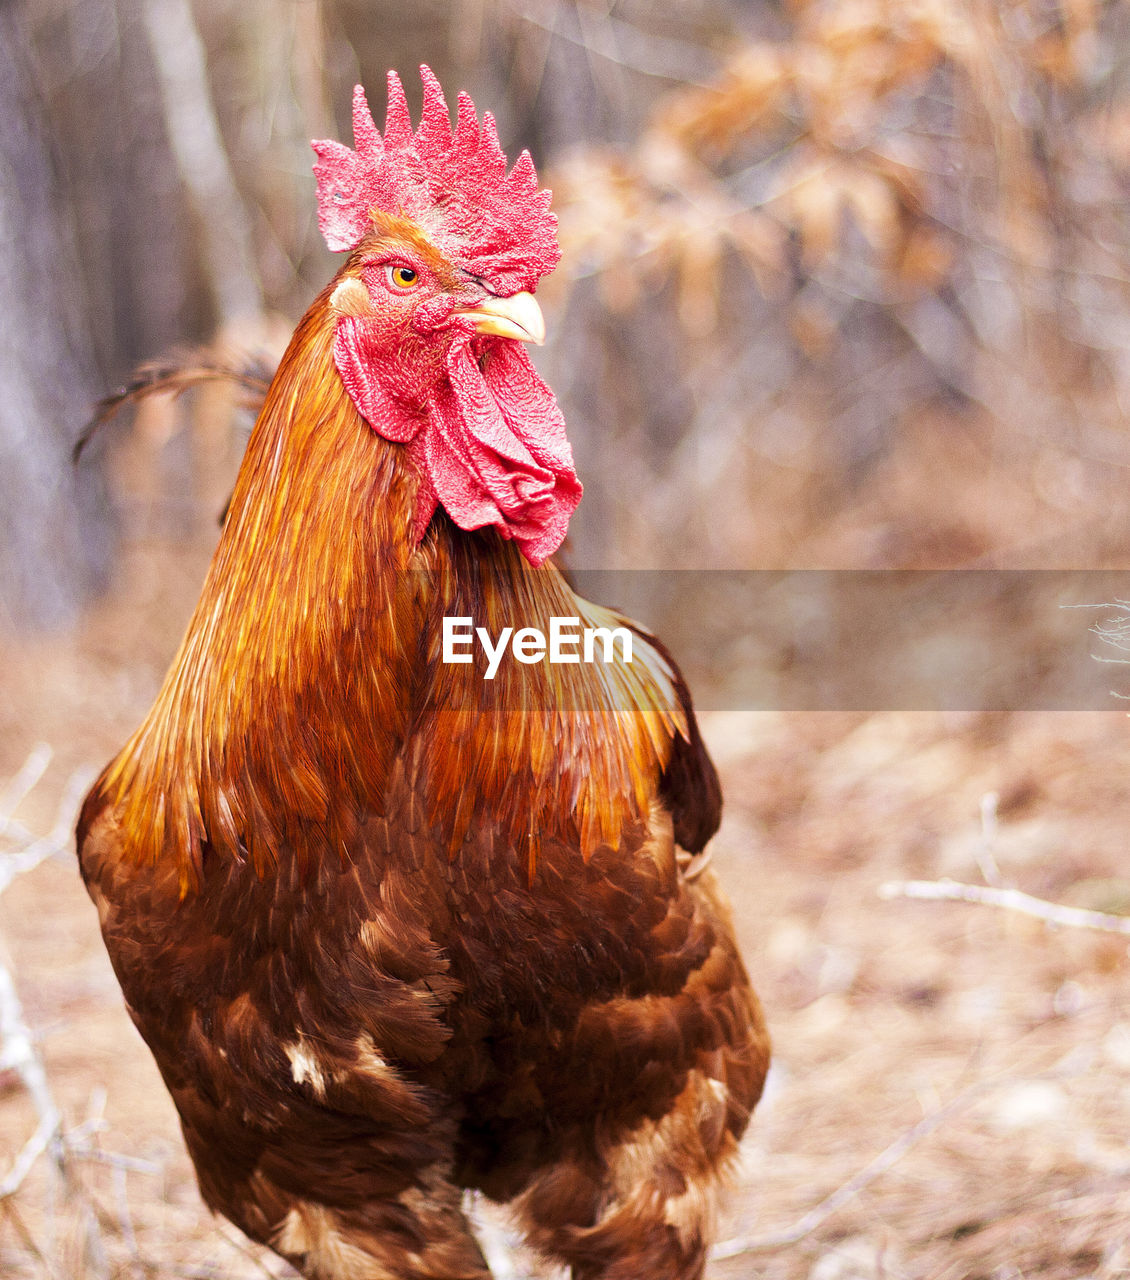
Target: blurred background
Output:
[{"x": 845, "y": 285}]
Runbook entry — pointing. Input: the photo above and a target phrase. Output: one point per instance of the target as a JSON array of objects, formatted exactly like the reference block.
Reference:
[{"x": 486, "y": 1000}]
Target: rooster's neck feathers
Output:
[
  {"x": 251, "y": 733},
  {"x": 311, "y": 669}
]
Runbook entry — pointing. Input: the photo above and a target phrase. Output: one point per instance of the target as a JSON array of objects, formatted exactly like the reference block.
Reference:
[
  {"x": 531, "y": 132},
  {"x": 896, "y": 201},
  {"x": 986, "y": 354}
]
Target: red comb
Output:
[{"x": 453, "y": 183}]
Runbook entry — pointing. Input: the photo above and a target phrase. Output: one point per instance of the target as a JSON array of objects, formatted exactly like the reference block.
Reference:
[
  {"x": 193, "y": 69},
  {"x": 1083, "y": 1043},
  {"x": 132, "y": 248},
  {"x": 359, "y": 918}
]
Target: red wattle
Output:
[{"x": 491, "y": 445}]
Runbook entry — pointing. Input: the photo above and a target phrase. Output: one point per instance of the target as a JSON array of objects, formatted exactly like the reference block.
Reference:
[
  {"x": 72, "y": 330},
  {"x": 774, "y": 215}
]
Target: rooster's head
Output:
[{"x": 434, "y": 304}]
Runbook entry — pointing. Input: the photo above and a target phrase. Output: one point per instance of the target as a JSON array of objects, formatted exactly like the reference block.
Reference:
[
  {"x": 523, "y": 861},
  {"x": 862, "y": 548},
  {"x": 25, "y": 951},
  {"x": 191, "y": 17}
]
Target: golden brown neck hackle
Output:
[
  {"x": 545, "y": 751},
  {"x": 313, "y": 660},
  {"x": 304, "y": 603}
]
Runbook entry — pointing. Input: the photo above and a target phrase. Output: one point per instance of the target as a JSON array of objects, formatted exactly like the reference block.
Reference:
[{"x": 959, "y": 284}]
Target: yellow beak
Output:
[{"x": 517, "y": 317}]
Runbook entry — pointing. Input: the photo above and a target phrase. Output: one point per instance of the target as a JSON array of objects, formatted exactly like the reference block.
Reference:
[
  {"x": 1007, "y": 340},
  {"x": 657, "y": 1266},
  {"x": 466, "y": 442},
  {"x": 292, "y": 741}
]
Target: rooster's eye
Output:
[{"x": 404, "y": 277}]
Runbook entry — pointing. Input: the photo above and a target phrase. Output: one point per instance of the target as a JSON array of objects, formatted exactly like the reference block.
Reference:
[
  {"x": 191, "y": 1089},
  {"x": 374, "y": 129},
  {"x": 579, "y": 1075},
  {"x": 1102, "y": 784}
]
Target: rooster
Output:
[{"x": 391, "y": 929}]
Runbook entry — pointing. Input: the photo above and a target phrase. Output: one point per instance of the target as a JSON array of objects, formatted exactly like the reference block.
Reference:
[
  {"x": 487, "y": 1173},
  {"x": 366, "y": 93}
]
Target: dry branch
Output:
[
  {"x": 17, "y": 1047},
  {"x": 625, "y": 44},
  {"x": 19, "y": 1053},
  {"x": 1009, "y": 900},
  {"x": 874, "y": 1169},
  {"x": 33, "y": 851},
  {"x": 808, "y": 1222}
]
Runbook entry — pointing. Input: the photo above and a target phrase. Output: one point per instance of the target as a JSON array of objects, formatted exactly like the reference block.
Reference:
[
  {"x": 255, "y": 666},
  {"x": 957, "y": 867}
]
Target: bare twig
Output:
[
  {"x": 650, "y": 55},
  {"x": 1009, "y": 900},
  {"x": 874, "y": 1169},
  {"x": 241, "y": 1244},
  {"x": 125, "y": 1218},
  {"x": 8, "y": 1209},
  {"x": 57, "y": 839},
  {"x": 221, "y": 1271},
  {"x": 95, "y": 1249},
  {"x": 22, "y": 782},
  {"x": 45, "y": 1133},
  {"x": 809, "y": 1221},
  {"x": 117, "y": 1162},
  {"x": 986, "y": 858},
  {"x": 17, "y": 1053}
]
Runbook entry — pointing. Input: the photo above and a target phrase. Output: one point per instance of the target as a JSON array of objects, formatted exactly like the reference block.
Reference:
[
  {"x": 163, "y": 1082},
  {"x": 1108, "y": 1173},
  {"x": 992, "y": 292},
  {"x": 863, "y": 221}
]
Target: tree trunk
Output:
[{"x": 54, "y": 538}]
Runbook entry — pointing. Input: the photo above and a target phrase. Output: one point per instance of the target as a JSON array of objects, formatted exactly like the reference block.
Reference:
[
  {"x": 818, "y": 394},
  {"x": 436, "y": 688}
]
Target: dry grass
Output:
[{"x": 886, "y": 1011}]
